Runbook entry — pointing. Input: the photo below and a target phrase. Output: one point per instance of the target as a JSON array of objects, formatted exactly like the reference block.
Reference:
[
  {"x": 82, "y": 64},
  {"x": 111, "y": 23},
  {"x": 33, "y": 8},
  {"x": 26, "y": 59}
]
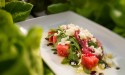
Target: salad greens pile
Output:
[
  {"x": 80, "y": 49},
  {"x": 74, "y": 46},
  {"x": 109, "y": 13}
]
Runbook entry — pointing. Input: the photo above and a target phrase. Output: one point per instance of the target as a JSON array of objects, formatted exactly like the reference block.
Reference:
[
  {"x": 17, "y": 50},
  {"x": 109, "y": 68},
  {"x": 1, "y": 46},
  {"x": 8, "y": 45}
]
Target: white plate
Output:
[{"x": 111, "y": 41}]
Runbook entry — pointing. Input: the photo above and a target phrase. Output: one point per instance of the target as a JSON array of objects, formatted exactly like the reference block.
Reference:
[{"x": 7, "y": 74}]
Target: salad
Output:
[{"x": 80, "y": 49}]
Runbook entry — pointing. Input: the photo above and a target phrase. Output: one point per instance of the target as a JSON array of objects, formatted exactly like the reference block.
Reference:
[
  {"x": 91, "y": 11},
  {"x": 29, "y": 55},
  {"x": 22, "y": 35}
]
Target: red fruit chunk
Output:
[
  {"x": 50, "y": 32},
  {"x": 51, "y": 39},
  {"x": 62, "y": 50},
  {"x": 89, "y": 61},
  {"x": 54, "y": 39}
]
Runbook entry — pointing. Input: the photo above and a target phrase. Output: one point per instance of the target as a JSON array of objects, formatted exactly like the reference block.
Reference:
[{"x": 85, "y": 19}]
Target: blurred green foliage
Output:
[
  {"x": 39, "y": 5},
  {"x": 18, "y": 54},
  {"x": 109, "y": 13}
]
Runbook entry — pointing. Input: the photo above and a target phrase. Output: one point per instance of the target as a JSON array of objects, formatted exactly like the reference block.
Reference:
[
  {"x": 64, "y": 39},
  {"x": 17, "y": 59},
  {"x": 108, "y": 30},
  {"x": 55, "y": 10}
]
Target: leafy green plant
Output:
[
  {"x": 19, "y": 55},
  {"x": 19, "y": 10}
]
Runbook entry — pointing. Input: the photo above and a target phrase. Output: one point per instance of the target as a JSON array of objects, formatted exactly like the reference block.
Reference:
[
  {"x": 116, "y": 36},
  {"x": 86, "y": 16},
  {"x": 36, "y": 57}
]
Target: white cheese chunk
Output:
[
  {"x": 98, "y": 51},
  {"x": 67, "y": 42},
  {"x": 74, "y": 27},
  {"x": 93, "y": 39},
  {"x": 64, "y": 41},
  {"x": 64, "y": 27},
  {"x": 58, "y": 33},
  {"x": 71, "y": 28},
  {"x": 84, "y": 33},
  {"x": 73, "y": 63},
  {"x": 70, "y": 32}
]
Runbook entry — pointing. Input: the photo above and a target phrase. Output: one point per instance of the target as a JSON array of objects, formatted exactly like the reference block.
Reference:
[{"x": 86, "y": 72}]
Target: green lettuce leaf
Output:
[
  {"x": 19, "y": 10},
  {"x": 19, "y": 53}
]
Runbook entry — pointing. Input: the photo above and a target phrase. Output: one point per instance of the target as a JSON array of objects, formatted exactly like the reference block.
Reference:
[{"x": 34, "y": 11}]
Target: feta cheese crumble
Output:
[
  {"x": 58, "y": 33},
  {"x": 84, "y": 34},
  {"x": 64, "y": 41},
  {"x": 93, "y": 39},
  {"x": 70, "y": 32},
  {"x": 64, "y": 27},
  {"x": 73, "y": 63},
  {"x": 97, "y": 51},
  {"x": 70, "y": 29}
]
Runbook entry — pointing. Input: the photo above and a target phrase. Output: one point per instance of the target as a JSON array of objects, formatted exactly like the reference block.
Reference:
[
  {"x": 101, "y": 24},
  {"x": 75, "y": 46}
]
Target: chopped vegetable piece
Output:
[{"x": 62, "y": 50}]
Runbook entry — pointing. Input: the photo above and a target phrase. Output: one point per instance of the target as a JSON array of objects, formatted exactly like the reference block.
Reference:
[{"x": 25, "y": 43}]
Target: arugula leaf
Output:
[
  {"x": 90, "y": 43},
  {"x": 65, "y": 61},
  {"x": 75, "y": 42},
  {"x": 86, "y": 70},
  {"x": 19, "y": 10},
  {"x": 73, "y": 55}
]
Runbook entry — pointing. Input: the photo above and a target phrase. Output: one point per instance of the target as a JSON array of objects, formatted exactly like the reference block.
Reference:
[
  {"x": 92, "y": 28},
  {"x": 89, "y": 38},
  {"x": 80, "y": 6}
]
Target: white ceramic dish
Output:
[{"x": 111, "y": 41}]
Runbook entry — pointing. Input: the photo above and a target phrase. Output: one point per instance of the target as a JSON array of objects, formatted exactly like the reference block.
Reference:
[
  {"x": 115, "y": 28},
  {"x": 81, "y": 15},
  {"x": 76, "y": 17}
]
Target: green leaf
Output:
[
  {"x": 90, "y": 43},
  {"x": 86, "y": 70},
  {"x": 5, "y": 18},
  {"x": 18, "y": 53},
  {"x": 2, "y": 3},
  {"x": 75, "y": 42},
  {"x": 73, "y": 55},
  {"x": 7, "y": 26},
  {"x": 65, "y": 61},
  {"x": 122, "y": 2},
  {"x": 26, "y": 64},
  {"x": 19, "y": 10},
  {"x": 35, "y": 35},
  {"x": 56, "y": 8}
]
